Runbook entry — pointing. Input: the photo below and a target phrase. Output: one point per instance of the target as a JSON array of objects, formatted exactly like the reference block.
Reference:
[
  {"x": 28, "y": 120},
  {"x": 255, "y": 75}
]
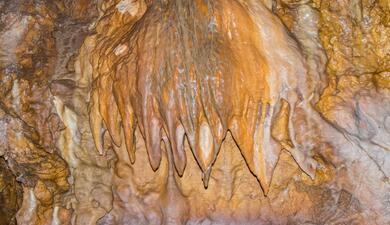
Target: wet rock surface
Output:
[{"x": 194, "y": 112}]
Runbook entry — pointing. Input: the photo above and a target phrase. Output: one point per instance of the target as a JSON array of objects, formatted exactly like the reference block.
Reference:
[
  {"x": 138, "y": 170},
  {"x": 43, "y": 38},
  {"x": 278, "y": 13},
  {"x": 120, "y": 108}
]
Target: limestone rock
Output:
[{"x": 194, "y": 112}]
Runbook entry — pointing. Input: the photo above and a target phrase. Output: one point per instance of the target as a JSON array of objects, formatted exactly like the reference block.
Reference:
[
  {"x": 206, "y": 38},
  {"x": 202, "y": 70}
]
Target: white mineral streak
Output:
[
  {"x": 120, "y": 49},
  {"x": 3, "y": 136},
  {"x": 16, "y": 95},
  {"x": 306, "y": 31},
  {"x": 27, "y": 212},
  {"x": 69, "y": 139},
  {"x": 129, "y": 6},
  {"x": 55, "y": 220},
  {"x": 206, "y": 141}
]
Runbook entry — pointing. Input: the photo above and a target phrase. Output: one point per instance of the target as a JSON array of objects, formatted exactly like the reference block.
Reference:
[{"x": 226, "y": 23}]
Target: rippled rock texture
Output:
[{"x": 194, "y": 112}]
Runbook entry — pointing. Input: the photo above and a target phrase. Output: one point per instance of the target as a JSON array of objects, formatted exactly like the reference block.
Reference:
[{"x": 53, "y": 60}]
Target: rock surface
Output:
[{"x": 194, "y": 112}]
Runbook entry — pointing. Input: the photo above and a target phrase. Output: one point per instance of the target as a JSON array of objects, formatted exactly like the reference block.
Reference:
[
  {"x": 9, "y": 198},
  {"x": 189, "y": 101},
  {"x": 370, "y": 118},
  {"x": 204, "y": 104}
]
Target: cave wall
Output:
[{"x": 195, "y": 112}]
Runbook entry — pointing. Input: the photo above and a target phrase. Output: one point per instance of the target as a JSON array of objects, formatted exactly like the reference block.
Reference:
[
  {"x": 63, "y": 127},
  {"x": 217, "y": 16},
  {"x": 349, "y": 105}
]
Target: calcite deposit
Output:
[{"x": 194, "y": 112}]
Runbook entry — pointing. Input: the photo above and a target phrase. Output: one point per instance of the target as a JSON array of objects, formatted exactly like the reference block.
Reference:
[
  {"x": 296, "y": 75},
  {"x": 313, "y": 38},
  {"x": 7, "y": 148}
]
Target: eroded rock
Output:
[{"x": 201, "y": 112}]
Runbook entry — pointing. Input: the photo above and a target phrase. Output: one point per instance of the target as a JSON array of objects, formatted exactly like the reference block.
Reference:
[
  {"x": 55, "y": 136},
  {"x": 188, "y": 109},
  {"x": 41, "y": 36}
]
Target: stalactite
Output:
[{"x": 190, "y": 71}]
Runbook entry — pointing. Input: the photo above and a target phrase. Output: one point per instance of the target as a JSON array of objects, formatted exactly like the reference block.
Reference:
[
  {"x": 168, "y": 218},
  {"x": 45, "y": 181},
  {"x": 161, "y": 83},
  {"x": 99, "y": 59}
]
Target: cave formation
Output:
[{"x": 194, "y": 112}]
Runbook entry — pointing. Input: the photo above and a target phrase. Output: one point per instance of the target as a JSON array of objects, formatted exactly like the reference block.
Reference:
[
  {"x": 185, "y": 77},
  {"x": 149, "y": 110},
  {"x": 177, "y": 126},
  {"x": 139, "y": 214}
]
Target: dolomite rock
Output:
[{"x": 194, "y": 112}]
